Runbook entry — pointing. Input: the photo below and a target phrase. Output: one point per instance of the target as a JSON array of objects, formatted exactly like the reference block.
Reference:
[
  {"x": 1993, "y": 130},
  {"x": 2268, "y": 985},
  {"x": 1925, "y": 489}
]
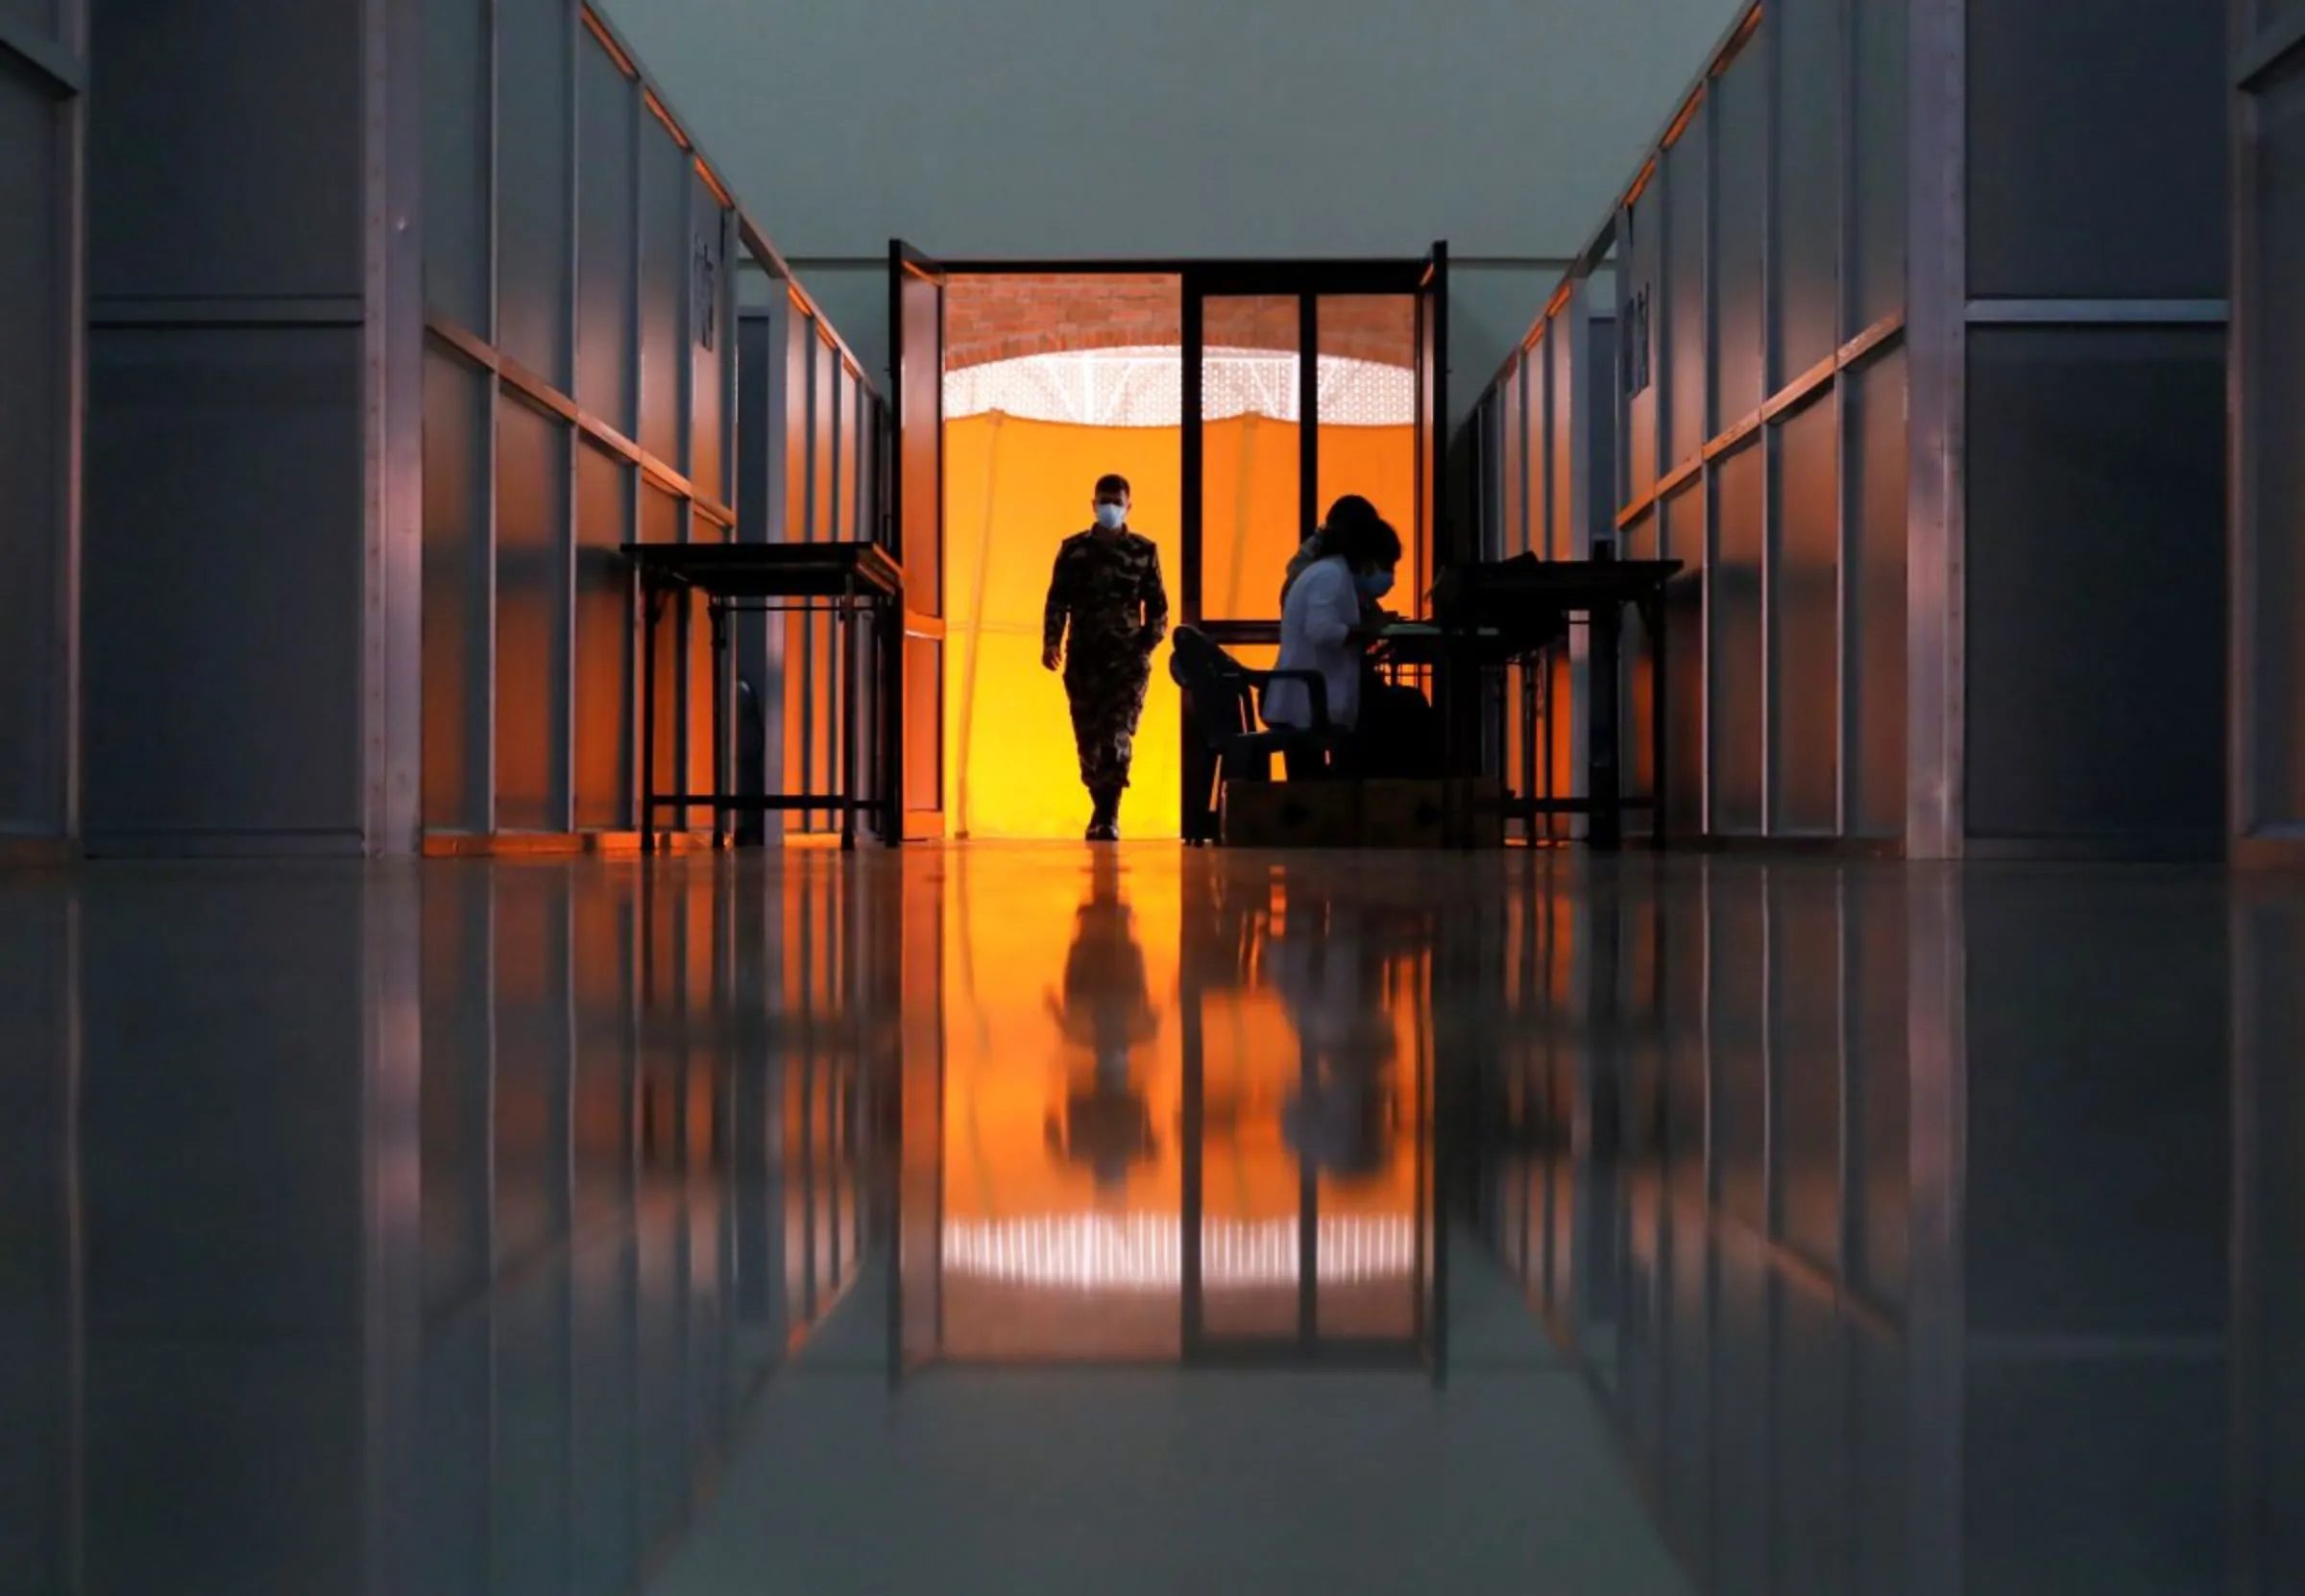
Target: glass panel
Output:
[
  {"x": 604, "y": 652},
  {"x": 1638, "y": 352},
  {"x": 1805, "y": 578},
  {"x": 665, "y": 256},
  {"x": 1806, "y": 193},
  {"x": 660, "y": 524},
  {"x": 455, "y": 618},
  {"x": 1877, "y": 267},
  {"x": 698, "y": 686},
  {"x": 605, "y": 382},
  {"x": 1683, "y": 539},
  {"x": 535, "y": 232},
  {"x": 800, "y": 344},
  {"x": 852, "y": 442},
  {"x": 824, "y": 440},
  {"x": 1513, "y": 525},
  {"x": 1740, "y": 113},
  {"x": 532, "y": 616},
  {"x": 1536, "y": 413},
  {"x": 1251, "y": 466},
  {"x": 457, "y": 160},
  {"x": 708, "y": 342},
  {"x": 1734, "y": 581},
  {"x": 1682, "y": 314},
  {"x": 1368, "y": 415}
]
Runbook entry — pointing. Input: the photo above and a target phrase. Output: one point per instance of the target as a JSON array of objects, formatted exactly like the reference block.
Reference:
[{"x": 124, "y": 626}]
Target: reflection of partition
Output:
[
  {"x": 635, "y": 1201},
  {"x": 581, "y": 391},
  {"x": 2268, "y": 1237},
  {"x": 1880, "y": 1261},
  {"x": 1701, "y": 1185},
  {"x": 1816, "y": 435}
]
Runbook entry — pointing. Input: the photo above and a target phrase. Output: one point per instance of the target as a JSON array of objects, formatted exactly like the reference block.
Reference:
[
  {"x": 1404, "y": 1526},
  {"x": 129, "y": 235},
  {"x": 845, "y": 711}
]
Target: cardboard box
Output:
[
  {"x": 1404, "y": 815},
  {"x": 1475, "y": 816},
  {"x": 1291, "y": 814},
  {"x": 1392, "y": 814}
]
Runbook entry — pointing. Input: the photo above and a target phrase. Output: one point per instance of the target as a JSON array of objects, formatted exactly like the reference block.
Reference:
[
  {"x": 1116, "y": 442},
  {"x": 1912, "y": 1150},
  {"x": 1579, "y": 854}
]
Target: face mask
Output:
[
  {"x": 1374, "y": 584},
  {"x": 1112, "y": 516}
]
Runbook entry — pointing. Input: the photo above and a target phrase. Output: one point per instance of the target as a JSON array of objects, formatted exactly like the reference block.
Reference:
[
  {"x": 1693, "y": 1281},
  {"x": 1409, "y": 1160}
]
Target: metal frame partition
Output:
[
  {"x": 1757, "y": 261},
  {"x": 583, "y": 391}
]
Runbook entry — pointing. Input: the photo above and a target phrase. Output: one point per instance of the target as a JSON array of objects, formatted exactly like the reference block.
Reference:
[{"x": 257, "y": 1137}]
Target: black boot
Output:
[{"x": 1104, "y": 820}]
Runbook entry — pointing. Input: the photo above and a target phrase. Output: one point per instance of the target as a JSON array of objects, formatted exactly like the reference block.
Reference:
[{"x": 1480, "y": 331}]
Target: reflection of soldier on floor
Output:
[
  {"x": 1106, "y": 1012},
  {"x": 1106, "y": 612}
]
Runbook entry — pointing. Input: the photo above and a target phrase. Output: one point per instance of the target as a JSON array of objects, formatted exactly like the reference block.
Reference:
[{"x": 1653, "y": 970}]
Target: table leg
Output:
[
  {"x": 720, "y": 624},
  {"x": 1604, "y": 778},
  {"x": 650, "y": 599}
]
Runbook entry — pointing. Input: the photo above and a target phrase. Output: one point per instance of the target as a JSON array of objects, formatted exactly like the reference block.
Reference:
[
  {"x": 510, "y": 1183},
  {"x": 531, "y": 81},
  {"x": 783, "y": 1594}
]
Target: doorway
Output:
[{"x": 1294, "y": 382}]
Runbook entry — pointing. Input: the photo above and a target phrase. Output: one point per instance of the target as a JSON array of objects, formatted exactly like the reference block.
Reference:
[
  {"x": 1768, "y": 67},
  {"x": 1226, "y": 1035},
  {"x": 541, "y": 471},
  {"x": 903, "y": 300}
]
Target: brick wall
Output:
[{"x": 1007, "y": 317}]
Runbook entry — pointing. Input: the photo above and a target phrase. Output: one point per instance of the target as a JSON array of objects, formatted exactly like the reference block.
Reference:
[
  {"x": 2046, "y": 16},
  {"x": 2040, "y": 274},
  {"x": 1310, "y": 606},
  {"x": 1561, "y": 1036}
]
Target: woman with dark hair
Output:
[
  {"x": 1327, "y": 625},
  {"x": 1332, "y": 613},
  {"x": 1347, "y": 518}
]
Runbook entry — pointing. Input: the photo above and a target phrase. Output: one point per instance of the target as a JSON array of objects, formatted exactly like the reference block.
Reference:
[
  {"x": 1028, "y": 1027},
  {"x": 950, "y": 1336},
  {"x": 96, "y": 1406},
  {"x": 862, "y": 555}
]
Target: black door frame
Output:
[
  {"x": 1308, "y": 281},
  {"x": 1426, "y": 278}
]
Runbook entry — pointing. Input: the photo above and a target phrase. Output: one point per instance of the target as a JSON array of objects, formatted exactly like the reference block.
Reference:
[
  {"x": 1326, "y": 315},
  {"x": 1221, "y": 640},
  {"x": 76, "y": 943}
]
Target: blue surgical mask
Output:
[
  {"x": 1112, "y": 516},
  {"x": 1374, "y": 584}
]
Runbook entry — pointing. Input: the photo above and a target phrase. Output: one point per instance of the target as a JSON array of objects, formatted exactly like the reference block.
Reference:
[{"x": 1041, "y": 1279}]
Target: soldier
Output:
[{"x": 1107, "y": 613}]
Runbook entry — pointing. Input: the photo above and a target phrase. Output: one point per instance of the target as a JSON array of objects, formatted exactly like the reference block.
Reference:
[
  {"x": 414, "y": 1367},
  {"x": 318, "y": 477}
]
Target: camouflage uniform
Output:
[{"x": 1105, "y": 592}]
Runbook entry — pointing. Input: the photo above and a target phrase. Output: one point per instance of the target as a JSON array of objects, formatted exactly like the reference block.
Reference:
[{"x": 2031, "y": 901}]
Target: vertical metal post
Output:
[
  {"x": 1936, "y": 502},
  {"x": 564, "y": 768},
  {"x": 1769, "y": 48}
]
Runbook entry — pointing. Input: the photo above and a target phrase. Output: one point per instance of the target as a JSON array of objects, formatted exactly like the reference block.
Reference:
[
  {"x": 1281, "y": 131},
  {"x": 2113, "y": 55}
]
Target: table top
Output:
[
  {"x": 771, "y": 571},
  {"x": 1560, "y": 584}
]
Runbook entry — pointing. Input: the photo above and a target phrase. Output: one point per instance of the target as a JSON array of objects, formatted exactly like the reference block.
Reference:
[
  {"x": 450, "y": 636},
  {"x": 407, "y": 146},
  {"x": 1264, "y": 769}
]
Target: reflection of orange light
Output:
[
  {"x": 1014, "y": 491},
  {"x": 1012, "y": 925}
]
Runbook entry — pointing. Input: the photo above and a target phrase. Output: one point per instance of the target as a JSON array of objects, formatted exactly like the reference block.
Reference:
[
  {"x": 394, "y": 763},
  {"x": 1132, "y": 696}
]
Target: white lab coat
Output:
[{"x": 1321, "y": 610}]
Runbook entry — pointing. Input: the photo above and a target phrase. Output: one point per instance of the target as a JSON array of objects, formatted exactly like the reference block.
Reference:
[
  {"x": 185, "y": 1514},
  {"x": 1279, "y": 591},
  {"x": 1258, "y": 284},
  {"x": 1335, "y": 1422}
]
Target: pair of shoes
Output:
[{"x": 1103, "y": 831}]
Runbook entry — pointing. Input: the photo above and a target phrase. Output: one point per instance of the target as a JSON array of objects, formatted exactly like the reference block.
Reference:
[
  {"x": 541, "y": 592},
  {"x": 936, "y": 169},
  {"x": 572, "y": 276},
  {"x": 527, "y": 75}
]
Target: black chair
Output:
[{"x": 1225, "y": 737}]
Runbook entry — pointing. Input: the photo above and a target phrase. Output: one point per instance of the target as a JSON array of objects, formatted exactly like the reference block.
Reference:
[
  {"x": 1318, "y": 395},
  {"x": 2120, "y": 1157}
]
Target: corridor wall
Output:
[
  {"x": 2266, "y": 75},
  {"x": 251, "y": 476},
  {"x": 1872, "y": 290},
  {"x": 44, "y": 80},
  {"x": 584, "y": 388}
]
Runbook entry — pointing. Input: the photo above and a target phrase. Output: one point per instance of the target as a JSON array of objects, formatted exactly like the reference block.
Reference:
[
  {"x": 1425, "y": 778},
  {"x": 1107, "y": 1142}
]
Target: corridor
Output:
[{"x": 1031, "y": 1218}]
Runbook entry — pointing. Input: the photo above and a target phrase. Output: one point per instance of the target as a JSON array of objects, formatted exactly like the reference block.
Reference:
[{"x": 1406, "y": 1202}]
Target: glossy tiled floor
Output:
[{"x": 1019, "y": 1221}]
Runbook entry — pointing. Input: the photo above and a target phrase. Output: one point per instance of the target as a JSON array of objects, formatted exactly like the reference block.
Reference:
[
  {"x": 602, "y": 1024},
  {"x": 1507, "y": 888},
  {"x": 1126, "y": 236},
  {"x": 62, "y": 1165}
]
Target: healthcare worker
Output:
[{"x": 1332, "y": 613}]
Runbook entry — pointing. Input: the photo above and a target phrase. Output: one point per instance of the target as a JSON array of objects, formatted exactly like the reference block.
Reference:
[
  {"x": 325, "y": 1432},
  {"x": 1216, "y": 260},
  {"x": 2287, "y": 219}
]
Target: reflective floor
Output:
[{"x": 1023, "y": 1219}]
